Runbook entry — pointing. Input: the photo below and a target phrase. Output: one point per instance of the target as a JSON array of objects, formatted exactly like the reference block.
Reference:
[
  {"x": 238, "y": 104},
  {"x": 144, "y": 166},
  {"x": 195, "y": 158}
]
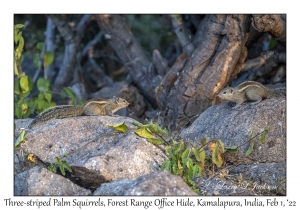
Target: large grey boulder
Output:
[
  {"x": 234, "y": 126},
  {"x": 40, "y": 181},
  {"x": 96, "y": 153},
  {"x": 157, "y": 183},
  {"x": 265, "y": 167}
]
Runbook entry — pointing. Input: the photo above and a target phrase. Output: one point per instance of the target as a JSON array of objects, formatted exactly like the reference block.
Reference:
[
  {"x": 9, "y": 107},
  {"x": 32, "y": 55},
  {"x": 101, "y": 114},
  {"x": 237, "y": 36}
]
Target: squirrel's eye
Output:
[{"x": 224, "y": 92}]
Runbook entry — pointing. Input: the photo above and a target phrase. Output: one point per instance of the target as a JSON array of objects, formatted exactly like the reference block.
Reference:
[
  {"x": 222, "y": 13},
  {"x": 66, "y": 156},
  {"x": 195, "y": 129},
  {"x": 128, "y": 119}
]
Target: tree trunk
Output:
[
  {"x": 131, "y": 54},
  {"x": 210, "y": 68}
]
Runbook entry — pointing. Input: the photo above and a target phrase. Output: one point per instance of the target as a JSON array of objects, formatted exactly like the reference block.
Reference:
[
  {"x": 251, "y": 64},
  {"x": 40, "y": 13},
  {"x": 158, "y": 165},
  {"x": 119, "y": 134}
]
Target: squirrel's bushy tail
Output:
[{"x": 57, "y": 112}]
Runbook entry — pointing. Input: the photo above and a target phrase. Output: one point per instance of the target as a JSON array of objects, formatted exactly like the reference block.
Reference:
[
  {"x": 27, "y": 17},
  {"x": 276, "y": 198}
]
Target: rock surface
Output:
[
  {"x": 98, "y": 154},
  {"x": 265, "y": 166},
  {"x": 265, "y": 178},
  {"x": 157, "y": 183},
  {"x": 234, "y": 126},
  {"x": 40, "y": 181}
]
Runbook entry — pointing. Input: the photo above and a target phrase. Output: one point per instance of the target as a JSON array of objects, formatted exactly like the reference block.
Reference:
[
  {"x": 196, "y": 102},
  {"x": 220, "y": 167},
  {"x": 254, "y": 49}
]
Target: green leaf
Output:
[
  {"x": 42, "y": 104},
  {"x": 39, "y": 46},
  {"x": 168, "y": 166},
  {"x": 52, "y": 167},
  {"x": 184, "y": 160},
  {"x": 250, "y": 149},
  {"x": 43, "y": 85},
  {"x": 155, "y": 141},
  {"x": 144, "y": 133},
  {"x": 17, "y": 33},
  {"x": 189, "y": 175},
  {"x": 157, "y": 129},
  {"x": 67, "y": 91},
  {"x": 162, "y": 166},
  {"x": 20, "y": 139},
  {"x": 175, "y": 168},
  {"x": 196, "y": 169},
  {"x": 119, "y": 127},
  {"x": 180, "y": 148},
  {"x": 16, "y": 68},
  {"x": 62, "y": 169},
  {"x": 24, "y": 107},
  {"x": 263, "y": 136},
  {"x": 32, "y": 105},
  {"x": 189, "y": 163},
  {"x": 80, "y": 102},
  {"x": 22, "y": 58},
  {"x": 202, "y": 155},
  {"x": 197, "y": 155},
  {"x": 66, "y": 166},
  {"x": 17, "y": 86},
  {"x": 197, "y": 191},
  {"x": 41, "y": 96},
  {"x": 70, "y": 93},
  {"x": 18, "y": 112},
  {"x": 185, "y": 154},
  {"x": 25, "y": 95},
  {"x": 24, "y": 84},
  {"x": 48, "y": 96},
  {"x": 216, "y": 158},
  {"x": 21, "y": 46},
  {"x": 17, "y": 36},
  {"x": 221, "y": 146},
  {"x": 200, "y": 171},
  {"x": 48, "y": 58},
  {"x": 179, "y": 165},
  {"x": 19, "y": 49},
  {"x": 204, "y": 141},
  {"x": 138, "y": 124},
  {"x": 22, "y": 102},
  {"x": 191, "y": 182},
  {"x": 17, "y": 26},
  {"x": 30, "y": 84},
  {"x": 169, "y": 151},
  {"x": 232, "y": 149}
]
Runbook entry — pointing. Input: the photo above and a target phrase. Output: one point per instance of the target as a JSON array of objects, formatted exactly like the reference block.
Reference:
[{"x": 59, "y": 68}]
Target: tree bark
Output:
[
  {"x": 72, "y": 41},
  {"x": 130, "y": 53},
  {"x": 184, "y": 38},
  {"x": 209, "y": 69},
  {"x": 273, "y": 24}
]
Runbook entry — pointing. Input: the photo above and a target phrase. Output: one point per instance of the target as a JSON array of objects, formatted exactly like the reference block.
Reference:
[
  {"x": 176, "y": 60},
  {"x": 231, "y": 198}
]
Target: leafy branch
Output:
[{"x": 23, "y": 84}]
